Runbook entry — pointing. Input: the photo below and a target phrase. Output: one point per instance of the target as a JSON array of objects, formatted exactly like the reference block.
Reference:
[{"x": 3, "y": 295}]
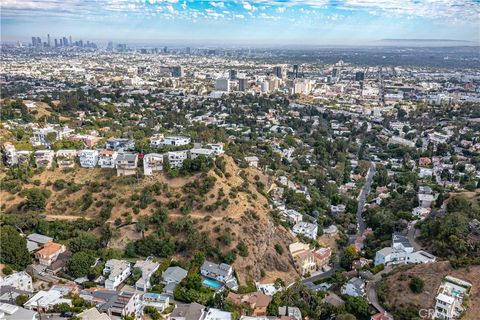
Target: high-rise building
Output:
[
  {"x": 359, "y": 76},
  {"x": 110, "y": 46},
  {"x": 165, "y": 49},
  {"x": 65, "y": 41},
  {"x": 222, "y": 84},
  {"x": 335, "y": 73},
  {"x": 296, "y": 69},
  {"x": 278, "y": 72},
  {"x": 34, "y": 41},
  {"x": 177, "y": 71},
  {"x": 188, "y": 50},
  {"x": 48, "y": 39},
  {"x": 232, "y": 74},
  {"x": 70, "y": 40},
  {"x": 56, "y": 42},
  {"x": 242, "y": 84}
]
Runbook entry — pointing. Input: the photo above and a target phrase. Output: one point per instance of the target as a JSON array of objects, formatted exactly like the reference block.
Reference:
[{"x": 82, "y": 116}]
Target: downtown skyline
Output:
[{"x": 255, "y": 22}]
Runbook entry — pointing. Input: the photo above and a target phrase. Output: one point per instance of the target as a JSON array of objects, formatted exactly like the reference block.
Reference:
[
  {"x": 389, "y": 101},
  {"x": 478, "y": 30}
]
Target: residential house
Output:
[
  {"x": 196, "y": 152},
  {"x": 88, "y": 158},
  {"x": 221, "y": 272},
  {"x": 192, "y": 311},
  {"x": 117, "y": 271},
  {"x": 148, "y": 268},
  {"x": 66, "y": 158},
  {"x": 449, "y": 299},
  {"x": 107, "y": 158},
  {"x": 18, "y": 280},
  {"x": 126, "y": 164},
  {"x": 355, "y": 287},
  {"x": 92, "y": 314},
  {"x": 257, "y": 302},
  {"x": 44, "y": 136},
  {"x": 156, "y": 300},
  {"x": 176, "y": 158},
  {"x": 252, "y": 161},
  {"x": 23, "y": 156},
  {"x": 14, "y": 312},
  {"x": 152, "y": 162},
  {"x": 60, "y": 263},
  {"x": 425, "y": 173},
  {"x": 36, "y": 241},
  {"x": 10, "y": 154},
  {"x": 217, "y": 147},
  {"x": 114, "y": 303},
  {"x": 402, "y": 251},
  {"x": 216, "y": 314},
  {"x": 292, "y": 216},
  {"x": 338, "y": 209},
  {"x": 119, "y": 144},
  {"x": 306, "y": 229},
  {"x": 175, "y": 141},
  {"x": 292, "y": 312},
  {"x": 309, "y": 260},
  {"x": 44, "y": 158},
  {"x": 44, "y": 301},
  {"x": 171, "y": 277},
  {"x": 49, "y": 253}
]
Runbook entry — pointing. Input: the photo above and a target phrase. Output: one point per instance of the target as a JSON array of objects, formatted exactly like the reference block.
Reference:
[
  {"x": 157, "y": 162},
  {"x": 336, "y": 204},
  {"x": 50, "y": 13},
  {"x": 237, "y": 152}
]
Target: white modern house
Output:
[
  {"x": 196, "y": 152},
  {"x": 152, "y": 162},
  {"x": 44, "y": 158},
  {"x": 221, "y": 272},
  {"x": 306, "y": 229},
  {"x": 355, "y": 287},
  {"x": 449, "y": 299},
  {"x": 106, "y": 158},
  {"x": 176, "y": 158},
  {"x": 19, "y": 280},
  {"x": 148, "y": 268},
  {"x": 88, "y": 158},
  {"x": 176, "y": 141},
  {"x": 117, "y": 271},
  {"x": 402, "y": 251},
  {"x": 126, "y": 164}
]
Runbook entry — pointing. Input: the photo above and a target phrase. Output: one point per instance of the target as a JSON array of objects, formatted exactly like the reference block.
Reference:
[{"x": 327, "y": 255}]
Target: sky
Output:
[{"x": 242, "y": 22}]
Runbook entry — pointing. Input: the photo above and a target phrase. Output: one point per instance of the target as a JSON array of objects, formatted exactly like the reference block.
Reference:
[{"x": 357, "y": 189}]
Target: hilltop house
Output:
[
  {"x": 156, "y": 300},
  {"x": 402, "y": 251},
  {"x": 171, "y": 277},
  {"x": 18, "y": 280},
  {"x": 175, "y": 141},
  {"x": 10, "y": 154},
  {"x": 66, "y": 158},
  {"x": 117, "y": 271},
  {"x": 252, "y": 161},
  {"x": 355, "y": 287},
  {"x": 126, "y": 164},
  {"x": 116, "y": 304},
  {"x": 152, "y": 162},
  {"x": 176, "y": 158},
  {"x": 107, "y": 158},
  {"x": 191, "y": 311},
  {"x": 195, "y": 152},
  {"x": 256, "y": 301},
  {"x": 44, "y": 158},
  {"x": 221, "y": 272},
  {"x": 88, "y": 158},
  {"x": 119, "y": 144},
  {"x": 450, "y": 296}
]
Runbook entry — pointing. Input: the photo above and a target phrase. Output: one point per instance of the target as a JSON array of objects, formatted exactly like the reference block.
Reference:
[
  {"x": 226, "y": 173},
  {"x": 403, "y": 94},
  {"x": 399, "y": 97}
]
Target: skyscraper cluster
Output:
[{"x": 61, "y": 42}]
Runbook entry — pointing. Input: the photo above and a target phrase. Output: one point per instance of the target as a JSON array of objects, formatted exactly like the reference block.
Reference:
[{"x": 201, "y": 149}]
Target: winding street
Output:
[{"x": 362, "y": 197}]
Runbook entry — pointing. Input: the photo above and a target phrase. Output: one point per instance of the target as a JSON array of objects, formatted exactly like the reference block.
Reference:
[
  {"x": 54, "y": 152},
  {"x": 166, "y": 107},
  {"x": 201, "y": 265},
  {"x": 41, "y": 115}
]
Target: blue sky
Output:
[{"x": 256, "y": 22}]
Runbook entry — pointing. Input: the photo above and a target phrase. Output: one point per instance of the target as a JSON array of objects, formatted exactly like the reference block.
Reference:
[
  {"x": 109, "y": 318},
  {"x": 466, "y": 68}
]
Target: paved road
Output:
[
  {"x": 372, "y": 293},
  {"x": 362, "y": 197},
  {"x": 412, "y": 235}
]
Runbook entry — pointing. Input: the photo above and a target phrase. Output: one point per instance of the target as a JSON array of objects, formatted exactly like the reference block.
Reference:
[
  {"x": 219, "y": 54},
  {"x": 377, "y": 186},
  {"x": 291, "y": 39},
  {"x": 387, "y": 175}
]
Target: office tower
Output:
[
  {"x": 188, "y": 50},
  {"x": 359, "y": 76},
  {"x": 34, "y": 41},
  {"x": 165, "y": 49},
  {"x": 222, "y": 84},
  {"x": 70, "y": 40},
  {"x": 177, "y": 71},
  {"x": 56, "y": 43},
  {"x": 296, "y": 69},
  {"x": 242, "y": 84},
  {"x": 335, "y": 73},
  {"x": 80, "y": 43},
  {"x": 110, "y": 46},
  {"x": 48, "y": 39},
  {"x": 65, "y": 41},
  {"x": 39, "y": 42},
  {"x": 232, "y": 74},
  {"x": 278, "y": 72},
  {"x": 61, "y": 42}
]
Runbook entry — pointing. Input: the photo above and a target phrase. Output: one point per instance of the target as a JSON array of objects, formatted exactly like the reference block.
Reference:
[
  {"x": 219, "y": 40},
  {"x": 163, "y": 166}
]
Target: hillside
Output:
[
  {"x": 398, "y": 294},
  {"x": 229, "y": 211}
]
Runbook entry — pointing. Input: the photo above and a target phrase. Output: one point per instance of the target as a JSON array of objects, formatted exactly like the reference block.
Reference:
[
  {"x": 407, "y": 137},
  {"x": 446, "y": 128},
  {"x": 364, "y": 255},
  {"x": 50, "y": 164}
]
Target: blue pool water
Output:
[{"x": 212, "y": 283}]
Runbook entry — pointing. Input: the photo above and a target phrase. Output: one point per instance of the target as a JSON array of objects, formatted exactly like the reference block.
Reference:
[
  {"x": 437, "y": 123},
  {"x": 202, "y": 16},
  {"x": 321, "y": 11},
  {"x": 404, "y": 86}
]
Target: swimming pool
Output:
[{"x": 212, "y": 283}]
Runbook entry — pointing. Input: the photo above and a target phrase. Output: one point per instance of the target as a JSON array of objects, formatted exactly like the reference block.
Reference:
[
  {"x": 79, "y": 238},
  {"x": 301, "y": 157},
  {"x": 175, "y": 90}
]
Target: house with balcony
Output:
[
  {"x": 257, "y": 302},
  {"x": 402, "y": 252},
  {"x": 217, "y": 147},
  {"x": 126, "y": 164},
  {"x": 196, "y": 152},
  {"x": 355, "y": 287},
  {"x": 10, "y": 154},
  {"x": 176, "y": 158},
  {"x": 306, "y": 229},
  {"x": 115, "y": 304},
  {"x": 152, "y": 162},
  {"x": 66, "y": 158},
  {"x": 88, "y": 158},
  {"x": 116, "y": 271},
  {"x": 156, "y": 300},
  {"x": 49, "y": 253},
  {"x": 221, "y": 272},
  {"x": 175, "y": 141},
  {"x": 309, "y": 260},
  {"x": 449, "y": 301},
  {"x": 107, "y": 158},
  {"x": 44, "y": 158},
  {"x": 18, "y": 280}
]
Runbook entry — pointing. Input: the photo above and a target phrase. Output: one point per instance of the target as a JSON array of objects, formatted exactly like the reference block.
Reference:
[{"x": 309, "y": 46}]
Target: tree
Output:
[
  {"x": 416, "y": 284},
  {"x": 79, "y": 264},
  {"x": 21, "y": 299},
  {"x": 13, "y": 248},
  {"x": 36, "y": 198}
]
